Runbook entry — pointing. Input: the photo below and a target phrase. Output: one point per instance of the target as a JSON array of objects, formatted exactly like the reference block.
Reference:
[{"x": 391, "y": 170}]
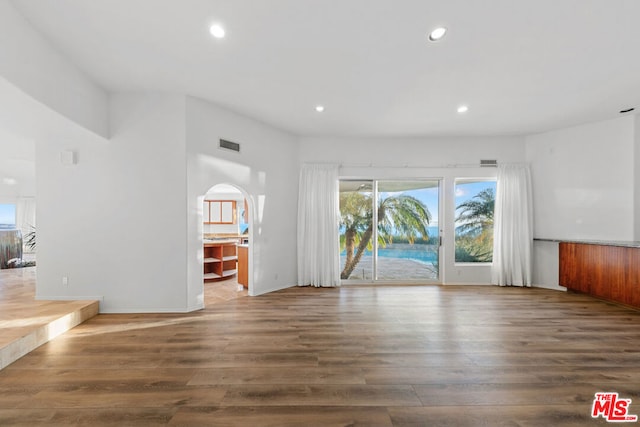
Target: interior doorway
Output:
[{"x": 227, "y": 243}]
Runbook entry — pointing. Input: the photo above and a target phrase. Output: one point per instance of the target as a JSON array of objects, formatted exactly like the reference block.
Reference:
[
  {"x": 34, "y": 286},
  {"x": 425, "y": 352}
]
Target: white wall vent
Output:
[
  {"x": 488, "y": 163},
  {"x": 228, "y": 145}
]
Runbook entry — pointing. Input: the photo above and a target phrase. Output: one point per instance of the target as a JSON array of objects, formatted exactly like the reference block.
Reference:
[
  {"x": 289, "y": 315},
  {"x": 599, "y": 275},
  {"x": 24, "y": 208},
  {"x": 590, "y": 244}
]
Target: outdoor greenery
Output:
[
  {"x": 474, "y": 234},
  {"x": 30, "y": 238},
  {"x": 400, "y": 217}
]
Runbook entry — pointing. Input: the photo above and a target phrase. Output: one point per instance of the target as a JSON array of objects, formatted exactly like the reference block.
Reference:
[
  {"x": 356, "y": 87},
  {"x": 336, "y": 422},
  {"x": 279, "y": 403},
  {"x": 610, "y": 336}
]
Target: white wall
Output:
[
  {"x": 546, "y": 265},
  {"x": 584, "y": 184},
  {"x": 266, "y": 169},
  {"x": 29, "y": 62},
  {"x": 422, "y": 158},
  {"x": 115, "y": 222},
  {"x": 583, "y": 181}
]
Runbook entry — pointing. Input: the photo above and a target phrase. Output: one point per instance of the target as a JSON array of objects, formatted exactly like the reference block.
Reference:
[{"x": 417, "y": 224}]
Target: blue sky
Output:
[
  {"x": 466, "y": 190},
  {"x": 7, "y": 215},
  {"x": 429, "y": 196}
]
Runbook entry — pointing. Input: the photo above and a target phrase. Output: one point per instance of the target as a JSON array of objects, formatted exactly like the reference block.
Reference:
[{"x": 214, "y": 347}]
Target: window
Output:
[
  {"x": 7, "y": 216},
  {"x": 219, "y": 212},
  {"x": 474, "y": 200}
]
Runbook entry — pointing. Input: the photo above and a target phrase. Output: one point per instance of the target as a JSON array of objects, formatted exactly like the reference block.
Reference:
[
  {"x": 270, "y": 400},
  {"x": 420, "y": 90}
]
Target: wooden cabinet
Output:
[
  {"x": 243, "y": 263},
  {"x": 604, "y": 271},
  {"x": 220, "y": 260}
]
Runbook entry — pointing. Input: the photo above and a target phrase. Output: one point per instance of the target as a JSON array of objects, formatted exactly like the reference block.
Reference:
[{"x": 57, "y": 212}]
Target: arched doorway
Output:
[{"x": 227, "y": 243}]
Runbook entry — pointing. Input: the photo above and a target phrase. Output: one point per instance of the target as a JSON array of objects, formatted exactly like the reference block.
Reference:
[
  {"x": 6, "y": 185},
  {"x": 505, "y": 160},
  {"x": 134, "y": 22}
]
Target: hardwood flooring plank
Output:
[
  {"x": 507, "y": 394},
  {"x": 15, "y": 396},
  {"x": 67, "y": 361},
  {"x": 116, "y": 417},
  {"x": 603, "y": 359},
  {"x": 123, "y": 397},
  {"x": 295, "y": 346},
  {"x": 18, "y": 417},
  {"x": 284, "y": 416},
  {"x": 320, "y": 395},
  {"x": 502, "y": 375},
  {"x": 398, "y": 359},
  {"x": 290, "y": 375},
  {"x": 490, "y": 416},
  {"x": 202, "y": 360},
  {"x": 152, "y": 349},
  {"x": 447, "y": 375},
  {"x": 41, "y": 378}
]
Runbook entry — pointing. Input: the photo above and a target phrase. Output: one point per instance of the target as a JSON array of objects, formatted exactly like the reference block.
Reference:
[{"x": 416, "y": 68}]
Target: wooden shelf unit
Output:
[{"x": 220, "y": 260}]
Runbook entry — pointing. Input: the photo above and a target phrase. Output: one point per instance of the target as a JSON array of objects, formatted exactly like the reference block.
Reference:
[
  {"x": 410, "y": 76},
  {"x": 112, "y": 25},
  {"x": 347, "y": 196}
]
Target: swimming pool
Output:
[{"x": 427, "y": 254}]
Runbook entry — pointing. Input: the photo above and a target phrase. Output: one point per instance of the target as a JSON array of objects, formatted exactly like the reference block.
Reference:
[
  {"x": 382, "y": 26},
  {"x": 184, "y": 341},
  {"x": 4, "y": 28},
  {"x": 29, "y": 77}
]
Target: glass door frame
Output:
[{"x": 440, "y": 247}]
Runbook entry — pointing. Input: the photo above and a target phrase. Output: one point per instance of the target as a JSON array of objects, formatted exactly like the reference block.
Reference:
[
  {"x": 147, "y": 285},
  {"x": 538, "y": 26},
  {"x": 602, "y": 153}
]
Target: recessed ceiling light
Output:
[
  {"x": 9, "y": 181},
  {"x": 463, "y": 109},
  {"x": 319, "y": 108},
  {"x": 217, "y": 31},
  {"x": 437, "y": 34}
]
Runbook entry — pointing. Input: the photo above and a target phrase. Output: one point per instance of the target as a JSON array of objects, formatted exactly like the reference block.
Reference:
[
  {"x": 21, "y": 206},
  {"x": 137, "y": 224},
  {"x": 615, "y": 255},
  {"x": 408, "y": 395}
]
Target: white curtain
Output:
[
  {"x": 318, "y": 240},
  {"x": 512, "y": 227}
]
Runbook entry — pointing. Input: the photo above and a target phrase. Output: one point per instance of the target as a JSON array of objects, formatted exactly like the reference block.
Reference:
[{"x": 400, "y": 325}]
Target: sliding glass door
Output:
[
  {"x": 356, "y": 230},
  {"x": 408, "y": 236},
  {"x": 404, "y": 245}
]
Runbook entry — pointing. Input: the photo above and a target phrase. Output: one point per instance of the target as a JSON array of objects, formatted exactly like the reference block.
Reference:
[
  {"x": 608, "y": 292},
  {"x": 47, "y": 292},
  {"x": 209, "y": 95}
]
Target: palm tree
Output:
[
  {"x": 30, "y": 238},
  {"x": 476, "y": 215},
  {"x": 474, "y": 237},
  {"x": 399, "y": 215},
  {"x": 356, "y": 217}
]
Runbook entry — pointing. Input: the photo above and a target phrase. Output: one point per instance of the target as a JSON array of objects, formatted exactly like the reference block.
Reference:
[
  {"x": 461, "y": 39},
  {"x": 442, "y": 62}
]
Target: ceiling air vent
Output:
[
  {"x": 228, "y": 145},
  {"x": 488, "y": 163}
]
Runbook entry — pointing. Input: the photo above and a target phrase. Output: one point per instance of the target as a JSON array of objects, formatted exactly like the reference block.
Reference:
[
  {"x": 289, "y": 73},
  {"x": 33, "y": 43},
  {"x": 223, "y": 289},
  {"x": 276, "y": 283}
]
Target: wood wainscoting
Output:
[{"x": 604, "y": 271}]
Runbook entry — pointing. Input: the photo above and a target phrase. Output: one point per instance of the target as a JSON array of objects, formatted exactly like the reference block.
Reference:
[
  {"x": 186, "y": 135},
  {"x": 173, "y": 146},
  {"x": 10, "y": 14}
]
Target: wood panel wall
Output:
[{"x": 608, "y": 272}]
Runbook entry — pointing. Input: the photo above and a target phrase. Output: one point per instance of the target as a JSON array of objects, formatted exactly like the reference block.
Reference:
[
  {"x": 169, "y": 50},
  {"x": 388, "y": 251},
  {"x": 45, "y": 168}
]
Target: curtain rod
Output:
[{"x": 408, "y": 166}]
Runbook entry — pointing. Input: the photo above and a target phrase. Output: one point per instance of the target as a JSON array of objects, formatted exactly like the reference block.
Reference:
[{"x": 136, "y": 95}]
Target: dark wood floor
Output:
[{"x": 402, "y": 355}]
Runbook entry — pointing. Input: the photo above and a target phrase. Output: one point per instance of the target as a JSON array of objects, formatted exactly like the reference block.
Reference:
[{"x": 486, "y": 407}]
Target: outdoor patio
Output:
[{"x": 392, "y": 269}]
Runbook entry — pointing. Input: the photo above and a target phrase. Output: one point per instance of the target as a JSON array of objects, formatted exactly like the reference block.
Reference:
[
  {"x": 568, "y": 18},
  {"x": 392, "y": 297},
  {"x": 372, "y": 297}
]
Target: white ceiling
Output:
[{"x": 521, "y": 66}]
